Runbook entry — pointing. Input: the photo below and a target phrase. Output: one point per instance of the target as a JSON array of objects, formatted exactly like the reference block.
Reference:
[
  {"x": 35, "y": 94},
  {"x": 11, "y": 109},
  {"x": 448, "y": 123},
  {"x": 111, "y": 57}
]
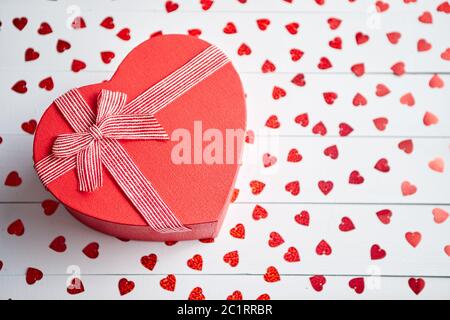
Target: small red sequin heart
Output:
[
  {"x": 125, "y": 286},
  {"x": 16, "y": 228},
  {"x": 168, "y": 283},
  {"x": 91, "y": 250},
  {"x": 275, "y": 239},
  {"x": 13, "y": 179},
  {"x": 376, "y": 253},
  {"x": 259, "y": 213},
  {"x": 58, "y": 244},
  {"x": 357, "y": 284},
  {"x": 302, "y": 218}
]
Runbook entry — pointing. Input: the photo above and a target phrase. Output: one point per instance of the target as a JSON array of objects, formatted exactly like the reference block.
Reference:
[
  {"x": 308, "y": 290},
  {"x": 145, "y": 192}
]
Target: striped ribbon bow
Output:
[{"x": 94, "y": 143}]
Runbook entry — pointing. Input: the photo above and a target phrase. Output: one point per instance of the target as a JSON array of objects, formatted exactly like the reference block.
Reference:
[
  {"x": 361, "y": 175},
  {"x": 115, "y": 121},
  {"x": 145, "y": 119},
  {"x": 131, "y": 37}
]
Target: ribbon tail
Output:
[
  {"x": 89, "y": 167},
  {"x": 138, "y": 189},
  {"x": 51, "y": 168}
]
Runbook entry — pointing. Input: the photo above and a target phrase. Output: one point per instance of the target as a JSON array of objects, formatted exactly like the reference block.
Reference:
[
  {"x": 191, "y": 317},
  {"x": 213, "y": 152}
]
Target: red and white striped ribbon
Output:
[{"x": 94, "y": 141}]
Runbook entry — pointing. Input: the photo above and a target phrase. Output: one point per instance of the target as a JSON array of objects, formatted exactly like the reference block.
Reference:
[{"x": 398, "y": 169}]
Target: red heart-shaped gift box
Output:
[{"x": 197, "y": 193}]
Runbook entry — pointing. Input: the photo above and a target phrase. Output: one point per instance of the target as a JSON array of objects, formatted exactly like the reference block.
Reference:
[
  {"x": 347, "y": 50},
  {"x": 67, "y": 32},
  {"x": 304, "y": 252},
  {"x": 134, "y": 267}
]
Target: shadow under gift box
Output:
[{"x": 198, "y": 194}]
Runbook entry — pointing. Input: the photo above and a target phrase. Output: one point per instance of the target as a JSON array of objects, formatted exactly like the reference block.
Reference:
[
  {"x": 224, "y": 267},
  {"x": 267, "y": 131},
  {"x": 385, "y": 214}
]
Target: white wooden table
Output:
[{"x": 384, "y": 244}]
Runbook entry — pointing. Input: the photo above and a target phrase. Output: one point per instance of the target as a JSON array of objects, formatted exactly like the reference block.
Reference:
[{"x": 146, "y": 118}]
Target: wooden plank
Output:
[
  {"x": 402, "y": 120},
  {"x": 220, "y": 287},
  {"x": 351, "y": 249},
  {"x": 274, "y": 44},
  {"x": 358, "y": 154}
]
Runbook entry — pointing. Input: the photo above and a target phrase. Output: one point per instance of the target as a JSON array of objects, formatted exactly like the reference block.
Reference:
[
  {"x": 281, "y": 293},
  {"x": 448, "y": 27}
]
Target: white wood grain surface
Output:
[{"x": 384, "y": 278}]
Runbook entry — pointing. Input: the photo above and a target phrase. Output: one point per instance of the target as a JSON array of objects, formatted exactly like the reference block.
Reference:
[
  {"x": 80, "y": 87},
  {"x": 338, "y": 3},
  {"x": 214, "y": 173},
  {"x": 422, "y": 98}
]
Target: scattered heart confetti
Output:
[
  {"x": 437, "y": 164},
  {"x": 196, "y": 262},
  {"x": 47, "y": 84},
  {"x": 108, "y": 23},
  {"x": 232, "y": 258},
  {"x": 58, "y": 244},
  {"x": 357, "y": 284},
  {"x": 384, "y": 216},
  {"x": 149, "y": 261},
  {"x": 197, "y": 294},
  {"x": 317, "y": 282},
  {"x": 293, "y": 187},
  {"x": 325, "y": 186},
  {"x": 230, "y": 28},
  {"x": 45, "y": 29},
  {"x": 322, "y": 109},
  {"x": 382, "y": 90},
  {"x": 16, "y": 228},
  {"x": 323, "y": 248},
  {"x": 49, "y": 206},
  {"x": 171, "y": 6},
  {"x": 394, "y": 37},
  {"x": 416, "y": 285},
  {"x": 107, "y": 56},
  {"x": 436, "y": 82},
  {"x": 413, "y": 238},
  {"x": 408, "y": 189},
  {"x": 263, "y": 24},
  {"x": 20, "y": 87},
  {"x": 272, "y": 275},
  {"x": 75, "y": 287},
  {"x": 346, "y": 224},
  {"x": 29, "y": 126},
  {"x": 440, "y": 215},
  {"x": 124, "y": 34},
  {"x": 78, "y": 65},
  {"x": 236, "y": 295},
  {"x": 430, "y": 119},
  {"x": 292, "y": 255},
  {"x": 377, "y": 253},
  {"x": 259, "y": 213},
  {"x": 275, "y": 239},
  {"x": 406, "y": 145},
  {"x": 238, "y": 231},
  {"x": 302, "y": 218},
  {"x": 31, "y": 54},
  {"x": 382, "y": 165}
]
